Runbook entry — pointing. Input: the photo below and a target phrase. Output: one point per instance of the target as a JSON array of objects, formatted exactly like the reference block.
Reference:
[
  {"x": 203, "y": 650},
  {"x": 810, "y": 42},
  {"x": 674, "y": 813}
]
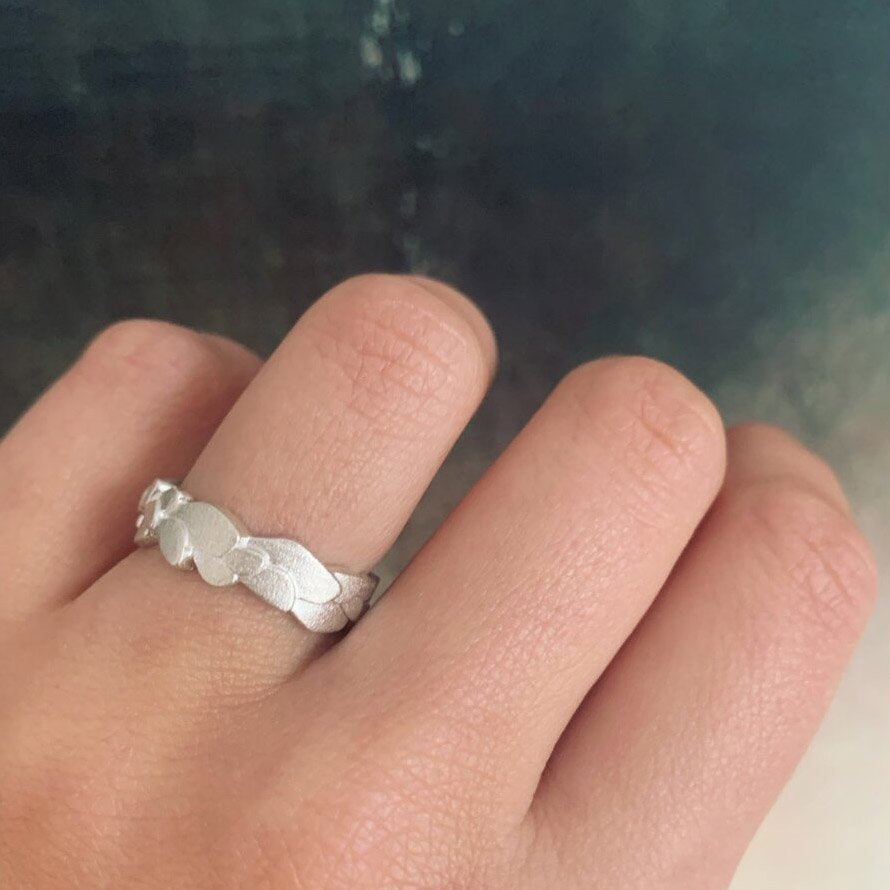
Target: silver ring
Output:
[{"x": 197, "y": 535}]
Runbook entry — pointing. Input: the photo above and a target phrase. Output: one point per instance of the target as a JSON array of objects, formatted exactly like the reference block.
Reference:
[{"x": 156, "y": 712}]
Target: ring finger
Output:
[{"x": 332, "y": 444}]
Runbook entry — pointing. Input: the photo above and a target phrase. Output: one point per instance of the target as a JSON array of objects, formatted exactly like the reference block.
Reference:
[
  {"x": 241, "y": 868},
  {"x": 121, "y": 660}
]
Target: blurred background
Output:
[{"x": 705, "y": 181}]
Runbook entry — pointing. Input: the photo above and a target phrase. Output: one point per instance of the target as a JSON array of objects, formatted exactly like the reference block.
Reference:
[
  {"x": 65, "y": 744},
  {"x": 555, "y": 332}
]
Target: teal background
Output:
[
  {"x": 666, "y": 176},
  {"x": 706, "y": 181}
]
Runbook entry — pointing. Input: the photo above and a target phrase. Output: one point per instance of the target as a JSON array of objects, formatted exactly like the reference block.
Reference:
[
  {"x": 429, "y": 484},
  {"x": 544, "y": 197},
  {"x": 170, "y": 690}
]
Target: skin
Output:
[{"x": 598, "y": 673}]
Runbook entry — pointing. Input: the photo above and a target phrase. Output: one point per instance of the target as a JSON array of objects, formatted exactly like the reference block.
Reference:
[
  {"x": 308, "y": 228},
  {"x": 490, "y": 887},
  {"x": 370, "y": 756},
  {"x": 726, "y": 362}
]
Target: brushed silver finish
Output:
[{"x": 196, "y": 535}]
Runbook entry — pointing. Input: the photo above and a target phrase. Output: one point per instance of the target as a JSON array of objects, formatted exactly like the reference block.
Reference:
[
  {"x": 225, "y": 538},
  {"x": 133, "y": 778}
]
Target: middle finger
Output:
[{"x": 530, "y": 587}]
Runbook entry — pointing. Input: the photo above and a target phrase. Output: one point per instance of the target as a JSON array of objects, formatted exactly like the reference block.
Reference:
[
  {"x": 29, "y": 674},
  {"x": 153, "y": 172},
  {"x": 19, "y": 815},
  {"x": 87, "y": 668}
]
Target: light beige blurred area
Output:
[
  {"x": 830, "y": 384},
  {"x": 830, "y": 830}
]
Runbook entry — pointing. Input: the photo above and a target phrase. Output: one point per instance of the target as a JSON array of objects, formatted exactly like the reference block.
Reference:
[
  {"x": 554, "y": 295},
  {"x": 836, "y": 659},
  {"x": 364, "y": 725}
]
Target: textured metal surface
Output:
[{"x": 196, "y": 535}]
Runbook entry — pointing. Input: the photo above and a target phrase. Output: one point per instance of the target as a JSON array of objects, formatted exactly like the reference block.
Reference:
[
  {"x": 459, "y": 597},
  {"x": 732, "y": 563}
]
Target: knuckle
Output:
[
  {"x": 401, "y": 357},
  {"x": 655, "y": 424},
  {"x": 812, "y": 552},
  {"x": 155, "y": 356}
]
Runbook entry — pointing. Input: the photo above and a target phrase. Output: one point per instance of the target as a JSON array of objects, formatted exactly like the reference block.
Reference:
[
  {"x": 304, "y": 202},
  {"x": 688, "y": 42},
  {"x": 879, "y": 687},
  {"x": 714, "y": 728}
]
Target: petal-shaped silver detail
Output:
[
  {"x": 320, "y": 617},
  {"x": 195, "y": 534},
  {"x": 245, "y": 560},
  {"x": 313, "y": 579},
  {"x": 212, "y": 531},
  {"x": 275, "y": 585},
  {"x": 353, "y": 607},
  {"x": 173, "y": 536},
  {"x": 214, "y": 569}
]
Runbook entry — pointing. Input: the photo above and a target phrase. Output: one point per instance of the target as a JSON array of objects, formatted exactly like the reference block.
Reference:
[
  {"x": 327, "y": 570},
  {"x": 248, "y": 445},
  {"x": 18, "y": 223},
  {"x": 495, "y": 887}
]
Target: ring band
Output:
[{"x": 197, "y": 535}]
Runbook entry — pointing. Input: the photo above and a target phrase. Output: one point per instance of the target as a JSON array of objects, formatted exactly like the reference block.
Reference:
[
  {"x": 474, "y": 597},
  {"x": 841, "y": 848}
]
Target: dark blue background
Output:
[{"x": 704, "y": 180}]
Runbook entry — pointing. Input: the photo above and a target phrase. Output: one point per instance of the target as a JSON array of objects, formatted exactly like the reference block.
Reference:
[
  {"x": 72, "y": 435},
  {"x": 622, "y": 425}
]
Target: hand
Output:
[{"x": 597, "y": 674}]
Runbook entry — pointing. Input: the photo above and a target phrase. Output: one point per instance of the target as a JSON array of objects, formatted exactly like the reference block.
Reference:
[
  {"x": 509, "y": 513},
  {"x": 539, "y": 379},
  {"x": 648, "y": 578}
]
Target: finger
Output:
[
  {"x": 144, "y": 398},
  {"x": 492, "y": 637},
  {"x": 332, "y": 445},
  {"x": 675, "y": 757}
]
